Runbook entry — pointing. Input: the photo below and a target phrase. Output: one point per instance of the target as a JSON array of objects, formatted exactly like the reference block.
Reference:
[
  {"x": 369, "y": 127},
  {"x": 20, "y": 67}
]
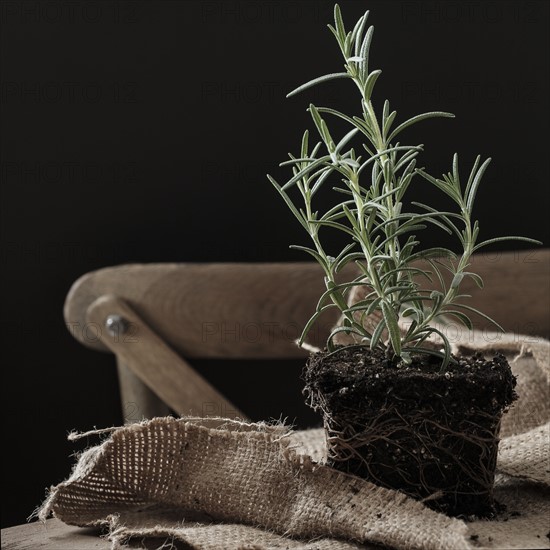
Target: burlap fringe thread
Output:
[{"x": 222, "y": 484}]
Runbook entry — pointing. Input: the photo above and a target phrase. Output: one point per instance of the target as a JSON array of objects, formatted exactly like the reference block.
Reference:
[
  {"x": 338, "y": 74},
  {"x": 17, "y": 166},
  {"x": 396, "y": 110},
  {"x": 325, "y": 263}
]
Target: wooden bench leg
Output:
[
  {"x": 138, "y": 401},
  {"x": 150, "y": 371}
]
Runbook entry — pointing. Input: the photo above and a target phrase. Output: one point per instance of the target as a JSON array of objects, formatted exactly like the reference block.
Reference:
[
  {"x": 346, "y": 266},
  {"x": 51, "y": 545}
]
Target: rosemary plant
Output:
[{"x": 383, "y": 242}]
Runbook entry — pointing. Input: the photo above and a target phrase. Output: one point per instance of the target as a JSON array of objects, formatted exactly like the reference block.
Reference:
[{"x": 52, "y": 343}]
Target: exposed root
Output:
[{"x": 440, "y": 449}]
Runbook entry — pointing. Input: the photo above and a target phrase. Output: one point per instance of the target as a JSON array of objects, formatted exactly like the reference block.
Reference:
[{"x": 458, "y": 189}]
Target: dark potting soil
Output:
[{"x": 430, "y": 434}]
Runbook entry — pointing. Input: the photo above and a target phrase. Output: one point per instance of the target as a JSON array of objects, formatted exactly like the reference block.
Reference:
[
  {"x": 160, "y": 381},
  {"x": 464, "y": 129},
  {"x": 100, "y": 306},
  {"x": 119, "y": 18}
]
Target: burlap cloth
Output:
[{"x": 223, "y": 484}]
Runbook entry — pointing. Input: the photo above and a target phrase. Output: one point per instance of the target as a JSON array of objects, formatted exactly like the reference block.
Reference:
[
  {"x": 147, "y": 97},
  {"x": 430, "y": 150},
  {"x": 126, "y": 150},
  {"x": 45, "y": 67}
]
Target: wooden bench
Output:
[{"x": 155, "y": 318}]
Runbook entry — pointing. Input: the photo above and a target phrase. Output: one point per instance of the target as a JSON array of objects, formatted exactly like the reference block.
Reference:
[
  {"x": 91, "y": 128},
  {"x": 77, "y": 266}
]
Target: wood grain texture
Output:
[
  {"x": 55, "y": 535},
  {"x": 52, "y": 535},
  {"x": 210, "y": 310},
  {"x": 156, "y": 365},
  {"x": 256, "y": 310}
]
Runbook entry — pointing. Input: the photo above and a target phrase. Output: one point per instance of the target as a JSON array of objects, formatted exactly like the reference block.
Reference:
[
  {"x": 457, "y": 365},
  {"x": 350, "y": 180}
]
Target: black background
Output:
[{"x": 142, "y": 132}]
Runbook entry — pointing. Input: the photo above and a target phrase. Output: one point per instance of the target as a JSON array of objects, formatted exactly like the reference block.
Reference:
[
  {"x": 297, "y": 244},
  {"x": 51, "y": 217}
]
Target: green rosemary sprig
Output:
[{"x": 383, "y": 242}]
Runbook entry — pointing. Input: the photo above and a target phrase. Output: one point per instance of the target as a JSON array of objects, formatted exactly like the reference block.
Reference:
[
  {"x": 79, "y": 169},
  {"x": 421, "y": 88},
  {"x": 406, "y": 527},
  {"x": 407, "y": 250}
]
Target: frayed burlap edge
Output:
[
  {"x": 171, "y": 530},
  {"x": 241, "y": 473}
]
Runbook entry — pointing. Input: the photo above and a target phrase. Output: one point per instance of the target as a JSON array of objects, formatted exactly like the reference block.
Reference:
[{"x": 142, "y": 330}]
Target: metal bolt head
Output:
[{"x": 116, "y": 324}]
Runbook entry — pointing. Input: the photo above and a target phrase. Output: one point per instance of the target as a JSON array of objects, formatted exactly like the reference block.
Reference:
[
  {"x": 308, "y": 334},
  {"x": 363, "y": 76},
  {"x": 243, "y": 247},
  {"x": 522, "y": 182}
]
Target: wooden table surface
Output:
[
  {"x": 52, "y": 535},
  {"x": 55, "y": 535}
]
